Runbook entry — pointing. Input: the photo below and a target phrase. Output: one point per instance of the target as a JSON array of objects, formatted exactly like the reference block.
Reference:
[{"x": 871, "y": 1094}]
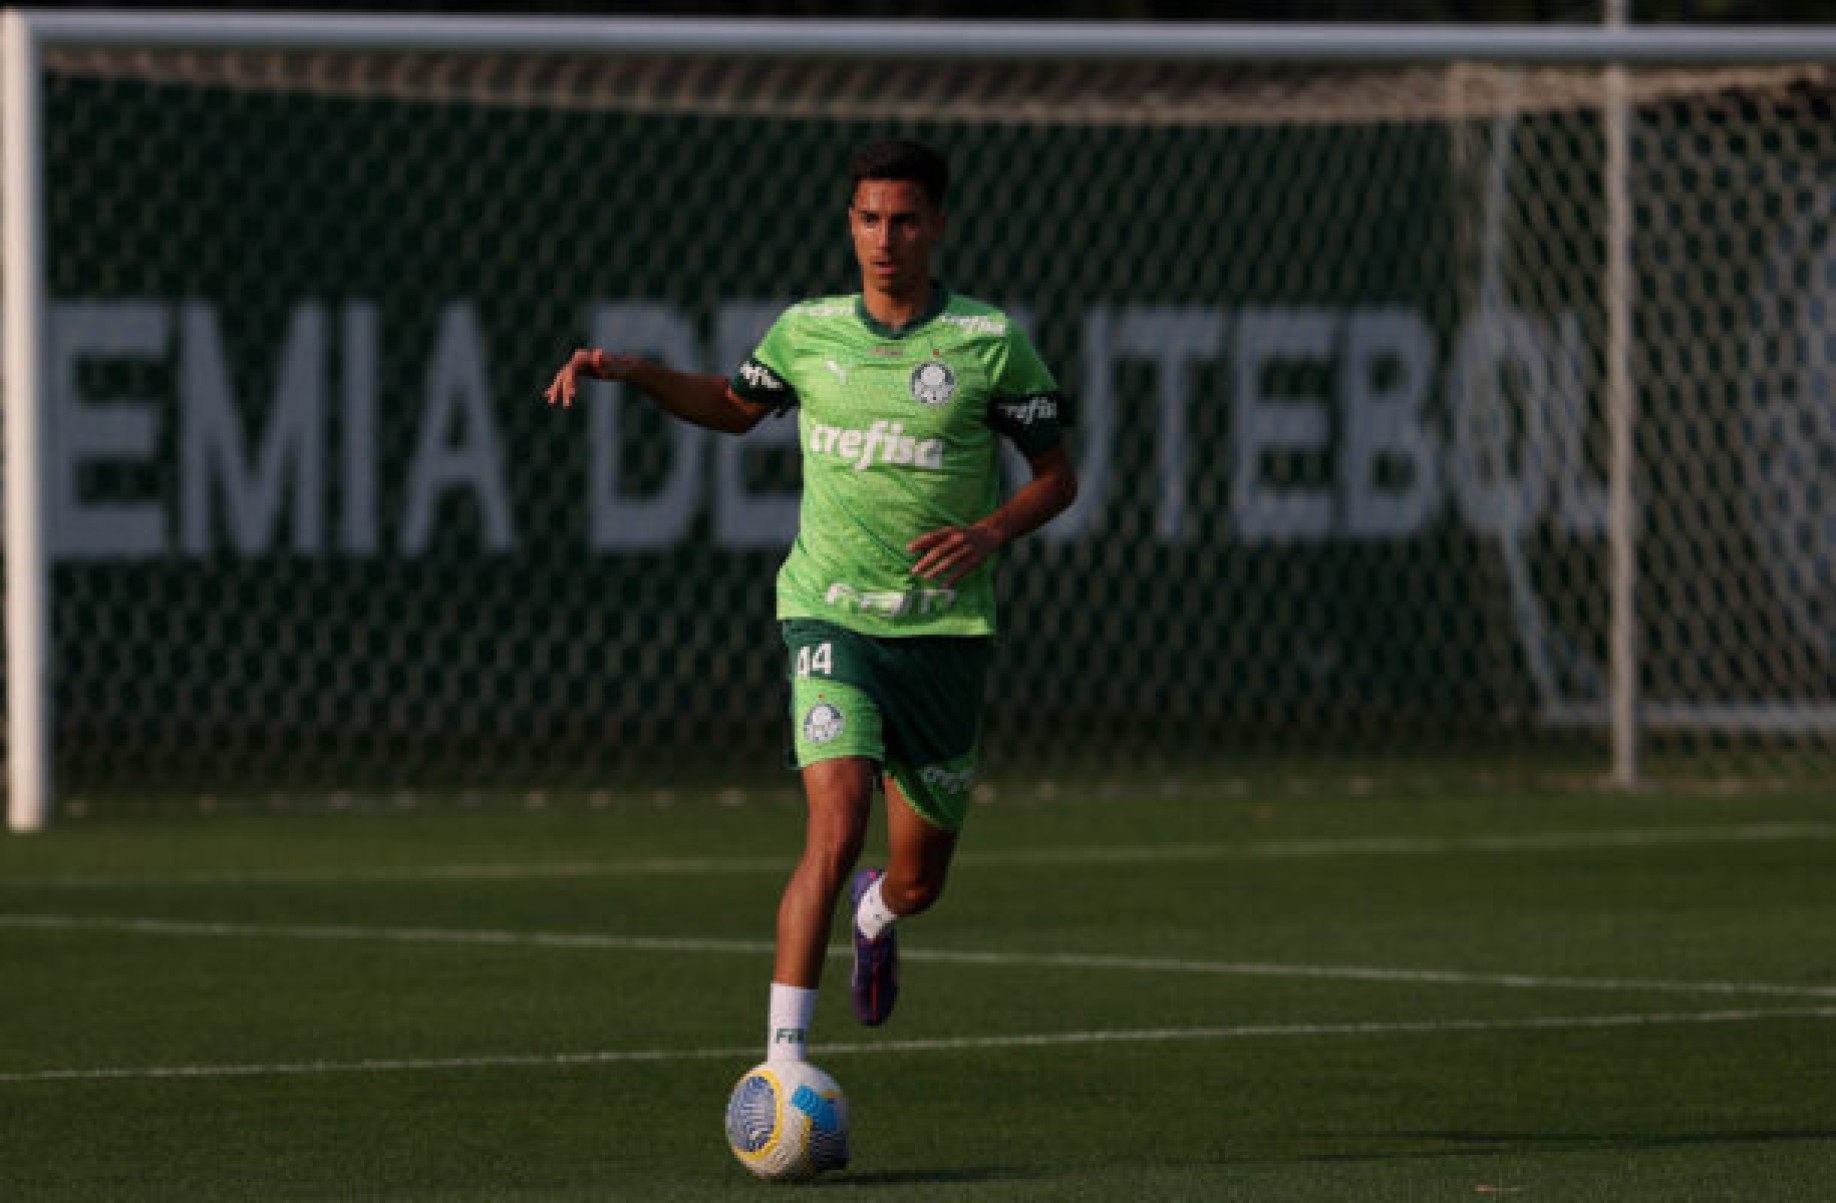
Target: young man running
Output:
[{"x": 886, "y": 599}]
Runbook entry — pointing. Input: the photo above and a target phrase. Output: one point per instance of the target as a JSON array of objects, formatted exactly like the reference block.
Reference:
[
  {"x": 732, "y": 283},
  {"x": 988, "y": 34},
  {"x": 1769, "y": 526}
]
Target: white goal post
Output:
[{"x": 1558, "y": 689}]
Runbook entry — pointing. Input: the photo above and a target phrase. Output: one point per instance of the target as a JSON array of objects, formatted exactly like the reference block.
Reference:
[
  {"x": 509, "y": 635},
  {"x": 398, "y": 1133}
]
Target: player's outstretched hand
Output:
[
  {"x": 584, "y": 362},
  {"x": 950, "y": 553}
]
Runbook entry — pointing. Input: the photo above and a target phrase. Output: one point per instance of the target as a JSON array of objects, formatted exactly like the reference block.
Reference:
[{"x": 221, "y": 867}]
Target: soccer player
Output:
[{"x": 886, "y": 599}]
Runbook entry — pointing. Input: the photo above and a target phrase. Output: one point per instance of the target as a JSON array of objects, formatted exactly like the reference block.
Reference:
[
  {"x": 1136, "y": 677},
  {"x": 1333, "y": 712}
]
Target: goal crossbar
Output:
[{"x": 1172, "y": 41}]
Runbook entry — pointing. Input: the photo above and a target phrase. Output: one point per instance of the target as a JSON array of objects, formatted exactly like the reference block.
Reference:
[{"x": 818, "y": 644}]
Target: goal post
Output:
[
  {"x": 27, "y": 578},
  {"x": 1398, "y": 353}
]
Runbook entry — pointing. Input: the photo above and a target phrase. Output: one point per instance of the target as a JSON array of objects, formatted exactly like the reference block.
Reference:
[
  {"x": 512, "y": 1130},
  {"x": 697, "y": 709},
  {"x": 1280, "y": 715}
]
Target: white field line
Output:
[
  {"x": 1142, "y": 854},
  {"x": 600, "y": 942},
  {"x": 385, "y": 935},
  {"x": 1426, "y": 1027}
]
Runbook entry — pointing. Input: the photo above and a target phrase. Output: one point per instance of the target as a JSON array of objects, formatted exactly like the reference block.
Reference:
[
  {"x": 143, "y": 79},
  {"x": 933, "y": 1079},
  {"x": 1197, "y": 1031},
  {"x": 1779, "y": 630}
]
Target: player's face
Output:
[{"x": 896, "y": 228}]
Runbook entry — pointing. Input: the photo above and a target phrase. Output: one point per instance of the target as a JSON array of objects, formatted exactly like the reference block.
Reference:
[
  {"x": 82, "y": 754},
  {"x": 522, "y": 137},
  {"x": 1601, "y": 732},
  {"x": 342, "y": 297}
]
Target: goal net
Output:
[{"x": 1335, "y": 337}]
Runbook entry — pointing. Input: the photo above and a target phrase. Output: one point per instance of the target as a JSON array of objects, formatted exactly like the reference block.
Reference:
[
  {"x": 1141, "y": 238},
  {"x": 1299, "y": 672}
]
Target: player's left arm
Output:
[
  {"x": 1027, "y": 408},
  {"x": 950, "y": 553}
]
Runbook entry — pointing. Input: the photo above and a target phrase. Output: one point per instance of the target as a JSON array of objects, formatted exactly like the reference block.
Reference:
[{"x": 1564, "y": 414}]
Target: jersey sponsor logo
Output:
[
  {"x": 757, "y": 375},
  {"x": 947, "y": 781},
  {"x": 890, "y": 603},
  {"x": 822, "y": 723},
  {"x": 1030, "y": 410},
  {"x": 881, "y": 443},
  {"x": 933, "y": 383},
  {"x": 973, "y": 324}
]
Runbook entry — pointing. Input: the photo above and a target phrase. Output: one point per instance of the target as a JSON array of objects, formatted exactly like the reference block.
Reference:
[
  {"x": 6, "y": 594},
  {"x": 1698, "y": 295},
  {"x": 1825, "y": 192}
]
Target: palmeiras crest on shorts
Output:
[
  {"x": 933, "y": 383},
  {"x": 822, "y": 723}
]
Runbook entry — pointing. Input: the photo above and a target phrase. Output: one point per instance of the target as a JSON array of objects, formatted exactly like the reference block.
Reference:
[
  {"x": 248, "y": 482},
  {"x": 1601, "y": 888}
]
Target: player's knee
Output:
[
  {"x": 836, "y": 829},
  {"x": 833, "y": 850},
  {"x": 914, "y": 896}
]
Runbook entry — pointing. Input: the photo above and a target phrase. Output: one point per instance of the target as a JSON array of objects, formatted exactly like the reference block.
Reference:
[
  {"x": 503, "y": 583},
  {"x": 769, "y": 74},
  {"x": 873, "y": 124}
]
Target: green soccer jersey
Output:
[{"x": 898, "y": 431}]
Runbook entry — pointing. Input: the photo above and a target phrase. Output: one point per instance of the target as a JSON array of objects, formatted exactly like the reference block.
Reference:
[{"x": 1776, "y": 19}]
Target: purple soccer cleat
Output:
[{"x": 875, "y": 984}]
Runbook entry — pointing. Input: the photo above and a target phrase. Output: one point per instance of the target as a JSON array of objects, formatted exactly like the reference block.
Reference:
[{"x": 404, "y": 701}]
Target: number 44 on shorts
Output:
[{"x": 816, "y": 661}]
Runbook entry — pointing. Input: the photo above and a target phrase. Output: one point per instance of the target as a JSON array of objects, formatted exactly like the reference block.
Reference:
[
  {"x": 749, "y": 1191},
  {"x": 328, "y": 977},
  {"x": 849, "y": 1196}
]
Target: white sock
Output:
[
  {"x": 873, "y": 916},
  {"x": 787, "y": 1035}
]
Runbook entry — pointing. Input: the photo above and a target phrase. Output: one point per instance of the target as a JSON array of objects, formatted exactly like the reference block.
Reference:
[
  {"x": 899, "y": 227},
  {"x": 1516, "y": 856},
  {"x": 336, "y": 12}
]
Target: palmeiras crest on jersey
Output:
[
  {"x": 933, "y": 383},
  {"x": 822, "y": 723}
]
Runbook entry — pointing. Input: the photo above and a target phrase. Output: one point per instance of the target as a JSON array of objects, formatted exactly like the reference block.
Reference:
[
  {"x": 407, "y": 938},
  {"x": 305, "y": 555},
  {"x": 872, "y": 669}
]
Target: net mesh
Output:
[{"x": 1335, "y": 337}]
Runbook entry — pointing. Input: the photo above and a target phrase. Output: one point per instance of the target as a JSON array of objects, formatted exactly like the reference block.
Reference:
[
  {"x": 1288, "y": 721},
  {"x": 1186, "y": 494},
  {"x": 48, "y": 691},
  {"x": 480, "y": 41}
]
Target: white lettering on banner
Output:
[
  {"x": 1173, "y": 339},
  {"x": 744, "y": 518},
  {"x": 1392, "y": 467},
  {"x": 458, "y": 403},
  {"x": 213, "y": 449},
  {"x": 361, "y": 332},
  {"x": 82, "y": 432},
  {"x": 1496, "y": 469},
  {"x": 229, "y": 493},
  {"x": 1383, "y": 425},
  {"x": 617, "y": 520},
  {"x": 1490, "y": 426},
  {"x": 1262, "y": 511}
]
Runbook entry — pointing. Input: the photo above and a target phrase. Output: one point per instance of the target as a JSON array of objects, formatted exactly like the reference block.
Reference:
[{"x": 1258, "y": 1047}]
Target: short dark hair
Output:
[{"x": 901, "y": 159}]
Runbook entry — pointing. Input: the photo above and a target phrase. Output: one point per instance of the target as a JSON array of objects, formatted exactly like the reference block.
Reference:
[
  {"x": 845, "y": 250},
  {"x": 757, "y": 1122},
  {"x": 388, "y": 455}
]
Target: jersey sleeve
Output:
[
  {"x": 1027, "y": 406},
  {"x": 765, "y": 377}
]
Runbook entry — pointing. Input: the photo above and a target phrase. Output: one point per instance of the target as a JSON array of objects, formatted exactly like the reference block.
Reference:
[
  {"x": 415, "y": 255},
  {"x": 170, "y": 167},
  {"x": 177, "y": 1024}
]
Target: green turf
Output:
[{"x": 1285, "y": 990}]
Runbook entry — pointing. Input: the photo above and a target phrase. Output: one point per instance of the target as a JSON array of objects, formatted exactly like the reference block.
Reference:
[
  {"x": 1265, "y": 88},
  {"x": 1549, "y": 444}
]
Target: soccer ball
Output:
[{"x": 788, "y": 1121}]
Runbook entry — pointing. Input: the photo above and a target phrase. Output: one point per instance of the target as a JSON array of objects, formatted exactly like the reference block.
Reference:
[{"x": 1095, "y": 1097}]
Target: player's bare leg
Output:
[
  {"x": 919, "y": 861},
  {"x": 839, "y": 794},
  {"x": 912, "y": 882}
]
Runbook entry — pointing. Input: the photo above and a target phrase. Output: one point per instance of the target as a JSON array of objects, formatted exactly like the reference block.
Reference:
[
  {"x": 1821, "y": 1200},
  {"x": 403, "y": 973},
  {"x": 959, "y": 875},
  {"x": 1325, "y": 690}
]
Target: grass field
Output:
[{"x": 1279, "y": 991}]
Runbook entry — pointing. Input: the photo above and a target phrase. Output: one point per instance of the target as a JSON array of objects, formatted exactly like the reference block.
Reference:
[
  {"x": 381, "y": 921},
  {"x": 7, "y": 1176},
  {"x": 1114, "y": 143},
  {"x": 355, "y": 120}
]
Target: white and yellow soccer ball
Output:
[{"x": 788, "y": 1121}]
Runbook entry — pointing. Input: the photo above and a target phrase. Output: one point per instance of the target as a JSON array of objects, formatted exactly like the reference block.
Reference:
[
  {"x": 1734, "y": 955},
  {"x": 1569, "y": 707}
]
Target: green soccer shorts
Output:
[{"x": 914, "y": 705}]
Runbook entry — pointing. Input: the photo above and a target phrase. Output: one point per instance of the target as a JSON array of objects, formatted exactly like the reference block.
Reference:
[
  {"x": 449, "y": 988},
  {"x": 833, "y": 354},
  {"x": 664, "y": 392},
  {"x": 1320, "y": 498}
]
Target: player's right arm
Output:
[{"x": 694, "y": 397}]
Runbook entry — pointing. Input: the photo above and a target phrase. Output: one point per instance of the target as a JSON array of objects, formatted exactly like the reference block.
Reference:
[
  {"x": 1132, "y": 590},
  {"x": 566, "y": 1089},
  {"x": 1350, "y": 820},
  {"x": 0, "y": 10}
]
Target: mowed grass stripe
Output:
[
  {"x": 1139, "y": 854},
  {"x": 951, "y": 1044},
  {"x": 601, "y": 942}
]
